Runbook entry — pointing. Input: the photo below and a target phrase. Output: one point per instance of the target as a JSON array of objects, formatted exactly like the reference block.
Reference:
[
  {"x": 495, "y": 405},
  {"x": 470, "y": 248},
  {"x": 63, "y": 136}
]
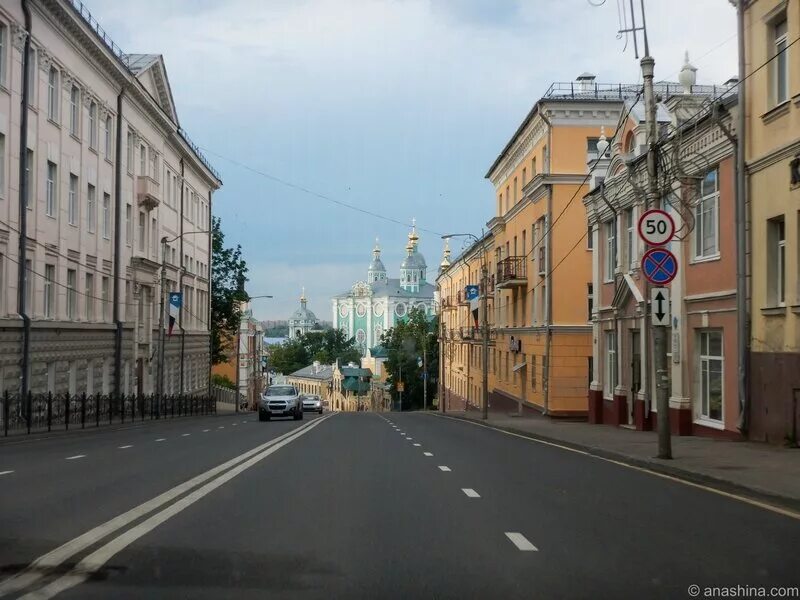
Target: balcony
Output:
[
  {"x": 448, "y": 304},
  {"x": 148, "y": 192},
  {"x": 511, "y": 272},
  {"x": 462, "y": 298}
]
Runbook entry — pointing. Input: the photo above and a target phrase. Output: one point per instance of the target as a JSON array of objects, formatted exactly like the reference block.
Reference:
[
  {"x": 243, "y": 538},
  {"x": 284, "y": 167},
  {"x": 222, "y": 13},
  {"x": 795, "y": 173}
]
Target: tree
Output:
[
  {"x": 406, "y": 343},
  {"x": 288, "y": 357},
  {"x": 228, "y": 274},
  {"x": 330, "y": 345}
]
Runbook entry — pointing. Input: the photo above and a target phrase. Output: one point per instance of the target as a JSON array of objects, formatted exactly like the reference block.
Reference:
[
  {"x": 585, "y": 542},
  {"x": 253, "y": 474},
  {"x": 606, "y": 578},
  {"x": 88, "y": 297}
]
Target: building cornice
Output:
[{"x": 789, "y": 150}]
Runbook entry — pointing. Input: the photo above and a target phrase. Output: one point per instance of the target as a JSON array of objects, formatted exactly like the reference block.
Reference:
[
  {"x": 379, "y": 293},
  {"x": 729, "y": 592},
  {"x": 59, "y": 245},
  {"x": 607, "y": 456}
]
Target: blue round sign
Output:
[{"x": 659, "y": 266}]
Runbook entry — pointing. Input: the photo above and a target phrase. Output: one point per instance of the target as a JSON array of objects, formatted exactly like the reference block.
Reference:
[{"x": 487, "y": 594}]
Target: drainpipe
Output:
[
  {"x": 23, "y": 212},
  {"x": 548, "y": 268},
  {"x": 118, "y": 251},
  {"x": 742, "y": 341},
  {"x": 180, "y": 282},
  {"x": 208, "y": 324}
]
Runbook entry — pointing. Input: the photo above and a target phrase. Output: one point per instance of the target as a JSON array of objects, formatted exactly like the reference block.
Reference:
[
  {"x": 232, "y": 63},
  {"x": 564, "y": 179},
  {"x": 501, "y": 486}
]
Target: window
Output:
[
  {"x": 589, "y": 239},
  {"x": 93, "y": 125},
  {"x": 3, "y": 52},
  {"x": 776, "y": 266},
  {"x": 533, "y": 167},
  {"x": 74, "y": 110},
  {"x": 781, "y": 69},
  {"x": 89, "y": 297},
  {"x": 706, "y": 228},
  {"x": 590, "y": 298},
  {"x": 72, "y": 200},
  {"x": 154, "y": 237},
  {"x": 508, "y": 197},
  {"x": 153, "y": 164},
  {"x": 711, "y": 369},
  {"x": 52, "y": 94},
  {"x": 524, "y": 176},
  {"x": 72, "y": 293},
  {"x": 109, "y": 127},
  {"x": 141, "y": 231},
  {"x": 105, "y": 297},
  {"x": 533, "y": 372},
  {"x": 106, "y": 215},
  {"x": 2, "y": 165},
  {"x": 129, "y": 158},
  {"x": 52, "y": 183},
  {"x": 610, "y": 379},
  {"x": 142, "y": 160},
  {"x": 515, "y": 191},
  {"x": 611, "y": 249},
  {"x": 49, "y": 291},
  {"x": 629, "y": 240},
  {"x": 30, "y": 168},
  {"x": 91, "y": 208},
  {"x": 128, "y": 224}
]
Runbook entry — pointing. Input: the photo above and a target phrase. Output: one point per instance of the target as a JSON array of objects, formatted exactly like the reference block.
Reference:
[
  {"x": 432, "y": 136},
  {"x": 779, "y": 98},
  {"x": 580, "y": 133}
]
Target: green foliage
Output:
[
  {"x": 288, "y": 357},
  {"x": 406, "y": 343},
  {"x": 325, "y": 346},
  {"x": 222, "y": 381},
  {"x": 228, "y": 274},
  {"x": 278, "y": 331}
]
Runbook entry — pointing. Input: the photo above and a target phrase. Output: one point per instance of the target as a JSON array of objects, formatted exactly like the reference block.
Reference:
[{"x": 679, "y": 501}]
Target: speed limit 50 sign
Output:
[{"x": 656, "y": 227}]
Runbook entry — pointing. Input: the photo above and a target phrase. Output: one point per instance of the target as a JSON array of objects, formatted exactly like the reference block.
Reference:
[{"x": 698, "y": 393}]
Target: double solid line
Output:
[{"x": 160, "y": 509}]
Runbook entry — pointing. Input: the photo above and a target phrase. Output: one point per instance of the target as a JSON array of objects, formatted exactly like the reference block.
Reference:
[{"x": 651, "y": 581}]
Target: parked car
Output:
[
  {"x": 312, "y": 402},
  {"x": 280, "y": 401}
]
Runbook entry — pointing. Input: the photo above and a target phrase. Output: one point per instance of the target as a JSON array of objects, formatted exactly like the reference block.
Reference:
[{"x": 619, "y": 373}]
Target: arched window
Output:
[{"x": 630, "y": 143}]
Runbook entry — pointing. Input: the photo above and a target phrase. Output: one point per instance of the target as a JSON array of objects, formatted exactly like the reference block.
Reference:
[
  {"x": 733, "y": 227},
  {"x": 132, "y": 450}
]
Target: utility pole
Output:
[
  {"x": 161, "y": 335},
  {"x": 652, "y": 196},
  {"x": 400, "y": 391},
  {"x": 425, "y": 373},
  {"x": 485, "y": 327}
]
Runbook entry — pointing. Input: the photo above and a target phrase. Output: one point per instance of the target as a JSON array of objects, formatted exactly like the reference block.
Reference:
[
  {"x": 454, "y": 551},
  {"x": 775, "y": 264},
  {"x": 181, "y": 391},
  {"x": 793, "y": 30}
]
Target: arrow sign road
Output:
[{"x": 659, "y": 306}]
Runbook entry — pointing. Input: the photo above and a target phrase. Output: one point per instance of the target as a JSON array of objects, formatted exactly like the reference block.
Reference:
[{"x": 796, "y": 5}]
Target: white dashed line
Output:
[
  {"x": 521, "y": 542},
  {"x": 444, "y": 468},
  {"x": 243, "y": 422},
  {"x": 429, "y": 454},
  {"x": 77, "y": 456},
  {"x": 186, "y": 435},
  {"x": 470, "y": 493},
  {"x": 128, "y": 446},
  {"x": 6, "y": 472},
  {"x": 221, "y": 427},
  {"x": 206, "y": 430},
  {"x": 161, "y": 440},
  {"x": 235, "y": 424},
  {"x": 418, "y": 445},
  {"x": 409, "y": 438}
]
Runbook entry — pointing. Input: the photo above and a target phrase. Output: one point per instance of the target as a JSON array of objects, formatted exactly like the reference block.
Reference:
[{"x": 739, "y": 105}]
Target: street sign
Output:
[
  {"x": 471, "y": 292},
  {"x": 656, "y": 227},
  {"x": 659, "y": 266},
  {"x": 659, "y": 306},
  {"x": 401, "y": 387}
]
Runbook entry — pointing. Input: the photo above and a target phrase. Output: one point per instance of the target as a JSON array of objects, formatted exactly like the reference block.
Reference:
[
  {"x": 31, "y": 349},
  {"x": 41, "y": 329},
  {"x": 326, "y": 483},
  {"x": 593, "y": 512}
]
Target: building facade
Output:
[
  {"x": 303, "y": 320},
  {"x": 697, "y": 189},
  {"x": 373, "y": 306},
  {"x": 773, "y": 167},
  {"x": 109, "y": 174},
  {"x": 314, "y": 379}
]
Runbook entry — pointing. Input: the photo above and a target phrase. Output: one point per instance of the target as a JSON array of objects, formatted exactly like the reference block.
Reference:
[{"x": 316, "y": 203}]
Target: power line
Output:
[{"x": 310, "y": 192}]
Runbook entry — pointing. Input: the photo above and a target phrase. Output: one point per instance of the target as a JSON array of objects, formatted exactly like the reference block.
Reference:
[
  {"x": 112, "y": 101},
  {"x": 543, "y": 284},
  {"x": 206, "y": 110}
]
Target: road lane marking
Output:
[
  {"x": 221, "y": 427},
  {"x": 444, "y": 468},
  {"x": 186, "y": 435},
  {"x": 418, "y": 445},
  {"x": 409, "y": 438},
  {"x": 470, "y": 493},
  {"x": 243, "y": 422},
  {"x": 97, "y": 559},
  {"x": 206, "y": 430},
  {"x": 6, "y": 472},
  {"x": 429, "y": 454},
  {"x": 39, "y": 567},
  {"x": 521, "y": 542},
  {"x": 76, "y": 457},
  {"x": 124, "y": 447},
  {"x": 751, "y": 501},
  {"x": 161, "y": 440}
]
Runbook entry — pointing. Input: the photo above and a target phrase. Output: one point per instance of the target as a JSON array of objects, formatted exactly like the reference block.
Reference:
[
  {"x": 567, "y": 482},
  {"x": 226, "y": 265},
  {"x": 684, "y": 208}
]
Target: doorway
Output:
[{"x": 636, "y": 372}]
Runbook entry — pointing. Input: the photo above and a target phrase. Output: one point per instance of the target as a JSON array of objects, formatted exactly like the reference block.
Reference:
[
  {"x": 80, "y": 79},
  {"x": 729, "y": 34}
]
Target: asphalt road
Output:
[{"x": 347, "y": 506}]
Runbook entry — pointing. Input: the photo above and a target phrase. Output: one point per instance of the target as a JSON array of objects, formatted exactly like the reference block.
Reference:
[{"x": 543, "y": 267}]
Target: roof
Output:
[
  {"x": 354, "y": 385},
  {"x": 415, "y": 260},
  {"x": 391, "y": 287},
  {"x": 377, "y": 265},
  {"x": 355, "y": 372},
  {"x": 309, "y": 372},
  {"x": 378, "y": 352},
  {"x": 303, "y": 314}
]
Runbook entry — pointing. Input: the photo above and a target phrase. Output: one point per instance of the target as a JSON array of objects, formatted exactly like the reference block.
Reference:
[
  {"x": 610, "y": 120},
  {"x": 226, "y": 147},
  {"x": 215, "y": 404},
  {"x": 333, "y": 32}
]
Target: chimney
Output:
[
  {"x": 586, "y": 82},
  {"x": 731, "y": 82},
  {"x": 315, "y": 367}
]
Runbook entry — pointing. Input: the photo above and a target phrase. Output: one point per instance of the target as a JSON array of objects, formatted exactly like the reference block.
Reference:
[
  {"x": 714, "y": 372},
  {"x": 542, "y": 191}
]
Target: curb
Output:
[{"x": 654, "y": 465}]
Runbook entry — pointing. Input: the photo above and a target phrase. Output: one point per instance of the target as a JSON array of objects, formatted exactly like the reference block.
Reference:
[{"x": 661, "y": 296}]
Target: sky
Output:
[{"x": 398, "y": 107}]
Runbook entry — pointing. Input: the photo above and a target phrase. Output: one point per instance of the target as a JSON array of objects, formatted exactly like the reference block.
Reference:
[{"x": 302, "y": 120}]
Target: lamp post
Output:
[
  {"x": 161, "y": 333},
  {"x": 484, "y": 321},
  {"x": 239, "y": 349}
]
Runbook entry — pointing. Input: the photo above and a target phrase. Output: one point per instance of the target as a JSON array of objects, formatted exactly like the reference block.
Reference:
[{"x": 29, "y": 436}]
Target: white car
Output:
[
  {"x": 280, "y": 401},
  {"x": 312, "y": 402}
]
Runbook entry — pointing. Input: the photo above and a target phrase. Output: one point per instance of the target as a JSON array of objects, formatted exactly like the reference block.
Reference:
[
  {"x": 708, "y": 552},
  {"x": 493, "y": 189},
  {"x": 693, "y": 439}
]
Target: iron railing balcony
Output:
[{"x": 511, "y": 272}]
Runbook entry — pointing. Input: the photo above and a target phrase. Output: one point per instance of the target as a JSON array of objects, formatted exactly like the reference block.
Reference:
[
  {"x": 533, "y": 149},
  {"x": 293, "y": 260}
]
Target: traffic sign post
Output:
[
  {"x": 659, "y": 303},
  {"x": 659, "y": 266},
  {"x": 656, "y": 227}
]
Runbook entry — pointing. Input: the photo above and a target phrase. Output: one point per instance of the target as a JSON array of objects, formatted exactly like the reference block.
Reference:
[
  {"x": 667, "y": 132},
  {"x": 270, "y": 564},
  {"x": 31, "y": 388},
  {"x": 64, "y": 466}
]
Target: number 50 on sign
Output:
[{"x": 656, "y": 227}]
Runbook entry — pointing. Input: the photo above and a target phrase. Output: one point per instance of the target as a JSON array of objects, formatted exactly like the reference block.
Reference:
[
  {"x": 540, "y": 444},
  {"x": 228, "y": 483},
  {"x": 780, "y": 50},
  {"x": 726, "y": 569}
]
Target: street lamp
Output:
[
  {"x": 485, "y": 320},
  {"x": 161, "y": 333},
  {"x": 239, "y": 348}
]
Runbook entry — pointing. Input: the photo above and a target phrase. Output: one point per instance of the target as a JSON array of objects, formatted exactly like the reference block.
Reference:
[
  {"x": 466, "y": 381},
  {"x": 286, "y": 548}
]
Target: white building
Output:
[
  {"x": 303, "y": 320},
  {"x": 110, "y": 174}
]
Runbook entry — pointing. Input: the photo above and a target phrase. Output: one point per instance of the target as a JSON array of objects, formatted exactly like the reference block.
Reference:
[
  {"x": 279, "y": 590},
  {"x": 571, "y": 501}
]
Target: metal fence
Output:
[{"x": 49, "y": 412}]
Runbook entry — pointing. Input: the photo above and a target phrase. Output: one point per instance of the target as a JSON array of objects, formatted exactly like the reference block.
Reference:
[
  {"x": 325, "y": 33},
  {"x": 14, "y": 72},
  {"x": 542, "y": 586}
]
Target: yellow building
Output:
[
  {"x": 773, "y": 166},
  {"x": 540, "y": 264},
  {"x": 314, "y": 379}
]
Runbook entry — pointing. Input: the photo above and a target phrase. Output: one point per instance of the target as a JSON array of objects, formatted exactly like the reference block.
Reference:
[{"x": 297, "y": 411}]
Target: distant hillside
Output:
[{"x": 277, "y": 331}]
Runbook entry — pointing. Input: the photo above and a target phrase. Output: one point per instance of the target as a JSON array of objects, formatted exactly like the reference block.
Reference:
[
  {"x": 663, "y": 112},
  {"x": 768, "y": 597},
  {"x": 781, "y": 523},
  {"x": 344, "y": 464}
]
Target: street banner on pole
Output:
[
  {"x": 175, "y": 301},
  {"x": 659, "y": 301}
]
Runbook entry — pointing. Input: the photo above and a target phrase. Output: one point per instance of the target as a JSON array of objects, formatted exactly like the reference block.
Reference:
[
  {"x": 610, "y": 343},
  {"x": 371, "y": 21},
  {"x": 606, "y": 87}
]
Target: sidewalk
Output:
[{"x": 760, "y": 471}]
